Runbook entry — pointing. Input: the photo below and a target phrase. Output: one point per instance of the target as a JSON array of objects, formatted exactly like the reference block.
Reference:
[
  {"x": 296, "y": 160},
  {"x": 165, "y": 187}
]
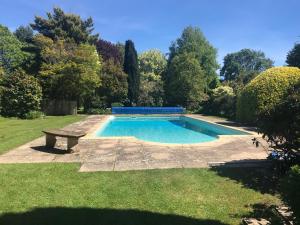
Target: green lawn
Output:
[
  {"x": 15, "y": 132},
  {"x": 58, "y": 194},
  {"x": 33, "y": 194}
]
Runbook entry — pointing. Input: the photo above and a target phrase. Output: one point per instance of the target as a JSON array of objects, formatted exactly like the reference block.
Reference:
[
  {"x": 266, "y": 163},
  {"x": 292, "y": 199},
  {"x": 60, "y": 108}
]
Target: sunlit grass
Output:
[{"x": 15, "y": 132}]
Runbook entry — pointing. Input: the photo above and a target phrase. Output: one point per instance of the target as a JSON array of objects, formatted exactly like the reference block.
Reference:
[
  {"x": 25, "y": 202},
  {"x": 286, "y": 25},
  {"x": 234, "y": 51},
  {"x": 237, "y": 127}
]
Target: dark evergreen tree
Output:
[
  {"x": 131, "y": 68},
  {"x": 24, "y": 34},
  {"x": 69, "y": 27},
  {"x": 293, "y": 57}
]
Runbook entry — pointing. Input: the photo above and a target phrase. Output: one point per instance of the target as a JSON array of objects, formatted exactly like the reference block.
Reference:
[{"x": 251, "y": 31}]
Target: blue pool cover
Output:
[{"x": 147, "y": 110}]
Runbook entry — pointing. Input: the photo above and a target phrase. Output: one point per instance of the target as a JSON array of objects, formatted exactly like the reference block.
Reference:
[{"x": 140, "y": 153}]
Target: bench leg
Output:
[
  {"x": 50, "y": 140},
  {"x": 72, "y": 142}
]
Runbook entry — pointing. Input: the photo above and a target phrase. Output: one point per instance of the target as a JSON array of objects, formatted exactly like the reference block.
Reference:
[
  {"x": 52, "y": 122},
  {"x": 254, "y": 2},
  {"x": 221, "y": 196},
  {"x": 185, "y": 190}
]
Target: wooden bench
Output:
[{"x": 72, "y": 137}]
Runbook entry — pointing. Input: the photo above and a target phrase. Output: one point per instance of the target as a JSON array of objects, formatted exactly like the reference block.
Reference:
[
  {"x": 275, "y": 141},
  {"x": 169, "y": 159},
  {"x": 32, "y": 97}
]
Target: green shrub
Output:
[
  {"x": 265, "y": 91},
  {"x": 290, "y": 190},
  {"x": 281, "y": 127},
  {"x": 21, "y": 93},
  {"x": 95, "y": 111},
  {"x": 33, "y": 115},
  {"x": 117, "y": 104},
  {"x": 222, "y": 102},
  {"x": 93, "y": 102}
]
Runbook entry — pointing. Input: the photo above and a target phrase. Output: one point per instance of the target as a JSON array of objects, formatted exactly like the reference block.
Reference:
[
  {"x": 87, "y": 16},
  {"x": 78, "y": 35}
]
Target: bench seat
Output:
[{"x": 72, "y": 137}]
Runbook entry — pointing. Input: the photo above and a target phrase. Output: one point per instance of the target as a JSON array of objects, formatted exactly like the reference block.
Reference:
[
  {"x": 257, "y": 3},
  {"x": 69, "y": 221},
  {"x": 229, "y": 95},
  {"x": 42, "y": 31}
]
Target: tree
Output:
[
  {"x": 152, "y": 65},
  {"x": 1, "y": 72},
  {"x": 68, "y": 27},
  {"x": 152, "y": 61},
  {"x": 24, "y": 34},
  {"x": 244, "y": 65},
  {"x": 114, "y": 81},
  {"x": 21, "y": 93},
  {"x": 151, "y": 93},
  {"x": 186, "y": 88},
  {"x": 131, "y": 68},
  {"x": 68, "y": 71},
  {"x": 121, "y": 48},
  {"x": 114, "y": 86},
  {"x": 109, "y": 51},
  {"x": 193, "y": 41},
  {"x": 11, "y": 54},
  {"x": 1, "y": 88},
  {"x": 293, "y": 57}
]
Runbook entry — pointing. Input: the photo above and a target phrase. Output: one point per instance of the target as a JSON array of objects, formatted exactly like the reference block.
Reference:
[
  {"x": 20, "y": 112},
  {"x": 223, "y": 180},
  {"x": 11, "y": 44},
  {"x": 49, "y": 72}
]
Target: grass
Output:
[
  {"x": 15, "y": 132},
  {"x": 59, "y": 194}
]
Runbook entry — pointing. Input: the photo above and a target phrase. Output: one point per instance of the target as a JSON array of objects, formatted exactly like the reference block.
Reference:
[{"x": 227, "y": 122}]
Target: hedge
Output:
[{"x": 265, "y": 91}]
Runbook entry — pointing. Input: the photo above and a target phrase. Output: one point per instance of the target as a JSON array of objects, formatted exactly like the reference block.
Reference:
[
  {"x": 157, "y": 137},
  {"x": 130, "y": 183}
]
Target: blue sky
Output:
[{"x": 272, "y": 26}]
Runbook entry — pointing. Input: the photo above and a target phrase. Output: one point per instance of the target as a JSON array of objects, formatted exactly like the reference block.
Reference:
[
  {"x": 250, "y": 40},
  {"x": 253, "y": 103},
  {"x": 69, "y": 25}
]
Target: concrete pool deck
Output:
[{"x": 129, "y": 153}]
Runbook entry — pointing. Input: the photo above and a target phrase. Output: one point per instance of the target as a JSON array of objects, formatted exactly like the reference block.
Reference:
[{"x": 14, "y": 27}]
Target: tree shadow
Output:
[
  {"x": 92, "y": 216},
  {"x": 266, "y": 180},
  {"x": 232, "y": 123},
  {"x": 260, "y": 179},
  {"x": 247, "y": 127}
]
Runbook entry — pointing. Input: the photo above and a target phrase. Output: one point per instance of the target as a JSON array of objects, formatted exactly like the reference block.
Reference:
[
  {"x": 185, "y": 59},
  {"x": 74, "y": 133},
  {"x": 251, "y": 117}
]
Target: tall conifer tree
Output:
[{"x": 131, "y": 68}]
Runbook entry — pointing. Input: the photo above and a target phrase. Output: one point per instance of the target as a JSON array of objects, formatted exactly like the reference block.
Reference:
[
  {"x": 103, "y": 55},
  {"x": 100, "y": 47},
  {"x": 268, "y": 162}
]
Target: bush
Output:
[
  {"x": 93, "y": 102},
  {"x": 265, "y": 91},
  {"x": 281, "y": 127},
  {"x": 33, "y": 115},
  {"x": 290, "y": 190},
  {"x": 117, "y": 104},
  {"x": 222, "y": 102},
  {"x": 21, "y": 94},
  {"x": 94, "y": 111}
]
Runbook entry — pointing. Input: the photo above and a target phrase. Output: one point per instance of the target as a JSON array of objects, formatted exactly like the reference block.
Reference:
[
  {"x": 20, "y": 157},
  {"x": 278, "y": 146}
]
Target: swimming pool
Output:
[{"x": 169, "y": 129}]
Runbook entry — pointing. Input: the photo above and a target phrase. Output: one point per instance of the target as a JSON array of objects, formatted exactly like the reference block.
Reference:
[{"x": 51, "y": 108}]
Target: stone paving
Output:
[{"x": 119, "y": 154}]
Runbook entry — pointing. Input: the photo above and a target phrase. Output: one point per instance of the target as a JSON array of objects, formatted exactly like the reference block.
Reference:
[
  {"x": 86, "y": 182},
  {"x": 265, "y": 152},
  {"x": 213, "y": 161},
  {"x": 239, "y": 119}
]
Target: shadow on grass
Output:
[
  {"x": 263, "y": 180},
  {"x": 266, "y": 180},
  {"x": 91, "y": 216}
]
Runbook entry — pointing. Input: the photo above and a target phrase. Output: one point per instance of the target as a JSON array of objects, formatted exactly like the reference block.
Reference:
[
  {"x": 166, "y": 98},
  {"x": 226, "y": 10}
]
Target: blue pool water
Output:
[{"x": 172, "y": 129}]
